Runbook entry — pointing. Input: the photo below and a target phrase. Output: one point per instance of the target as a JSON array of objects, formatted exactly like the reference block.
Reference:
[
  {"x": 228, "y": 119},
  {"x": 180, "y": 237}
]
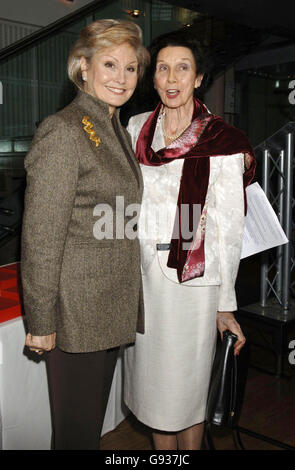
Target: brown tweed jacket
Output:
[{"x": 86, "y": 290}]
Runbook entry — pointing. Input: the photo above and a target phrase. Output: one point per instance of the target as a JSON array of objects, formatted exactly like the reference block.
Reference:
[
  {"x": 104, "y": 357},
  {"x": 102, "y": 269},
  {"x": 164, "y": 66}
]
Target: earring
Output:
[{"x": 84, "y": 78}]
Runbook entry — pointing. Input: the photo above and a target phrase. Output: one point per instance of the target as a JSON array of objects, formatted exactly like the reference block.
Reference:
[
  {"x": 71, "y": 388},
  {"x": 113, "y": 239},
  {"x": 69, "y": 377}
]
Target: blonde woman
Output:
[{"x": 81, "y": 288}]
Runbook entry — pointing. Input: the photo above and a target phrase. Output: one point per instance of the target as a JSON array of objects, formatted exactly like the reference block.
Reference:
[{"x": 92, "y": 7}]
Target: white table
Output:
[{"x": 25, "y": 422}]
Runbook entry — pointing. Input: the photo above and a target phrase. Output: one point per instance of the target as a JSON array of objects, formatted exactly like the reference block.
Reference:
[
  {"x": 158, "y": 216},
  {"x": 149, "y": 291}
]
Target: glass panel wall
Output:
[
  {"x": 34, "y": 84},
  {"x": 166, "y": 18}
]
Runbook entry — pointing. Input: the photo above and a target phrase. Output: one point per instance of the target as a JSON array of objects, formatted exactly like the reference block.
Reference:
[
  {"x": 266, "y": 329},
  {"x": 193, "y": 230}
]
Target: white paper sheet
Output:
[{"x": 262, "y": 228}]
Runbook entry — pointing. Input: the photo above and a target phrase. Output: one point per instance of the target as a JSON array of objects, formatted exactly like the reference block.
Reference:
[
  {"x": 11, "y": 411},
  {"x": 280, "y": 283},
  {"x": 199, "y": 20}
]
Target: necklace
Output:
[{"x": 174, "y": 137}]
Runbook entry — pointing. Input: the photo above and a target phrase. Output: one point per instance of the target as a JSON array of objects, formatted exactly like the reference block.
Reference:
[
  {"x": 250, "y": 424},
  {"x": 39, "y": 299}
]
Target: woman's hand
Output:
[
  {"x": 227, "y": 321},
  {"x": 39, "y": 344},
  {"x": 247, "y": 160}
]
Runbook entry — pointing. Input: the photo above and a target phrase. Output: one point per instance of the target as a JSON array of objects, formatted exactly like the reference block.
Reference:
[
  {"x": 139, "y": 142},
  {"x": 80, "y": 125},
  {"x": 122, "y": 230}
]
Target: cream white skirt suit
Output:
[{"x": 167, "y": 371}]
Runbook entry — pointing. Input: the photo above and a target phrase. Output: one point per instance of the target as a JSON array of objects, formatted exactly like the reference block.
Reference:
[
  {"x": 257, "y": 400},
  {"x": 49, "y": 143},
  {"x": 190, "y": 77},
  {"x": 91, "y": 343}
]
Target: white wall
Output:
[{"x": 38, "y": 12}]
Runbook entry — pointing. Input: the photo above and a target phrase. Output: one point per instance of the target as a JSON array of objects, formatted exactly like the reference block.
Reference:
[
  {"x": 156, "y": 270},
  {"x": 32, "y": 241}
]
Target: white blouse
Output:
[{"x": 224, "y": 220}]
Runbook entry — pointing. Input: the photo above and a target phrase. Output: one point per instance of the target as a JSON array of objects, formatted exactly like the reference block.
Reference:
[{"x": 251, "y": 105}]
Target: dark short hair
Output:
[
  {"x": 146, "y": 97},
  {"x": 179, "y": 39}
]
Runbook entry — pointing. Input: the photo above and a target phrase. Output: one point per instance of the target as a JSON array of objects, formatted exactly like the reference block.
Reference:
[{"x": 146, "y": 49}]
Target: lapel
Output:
[{"x": 126, "y": 145}]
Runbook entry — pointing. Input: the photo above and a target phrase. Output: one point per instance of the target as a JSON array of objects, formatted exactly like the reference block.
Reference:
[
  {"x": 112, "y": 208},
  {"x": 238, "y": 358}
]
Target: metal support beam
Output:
[
  {"x": 277, "y": 182},
  {"x": 288, "y": 176},
  {"x": 264, "y": 256}
]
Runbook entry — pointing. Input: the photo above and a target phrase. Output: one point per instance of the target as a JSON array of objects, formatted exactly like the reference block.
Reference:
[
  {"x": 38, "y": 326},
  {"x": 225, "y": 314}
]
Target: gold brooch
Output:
[{"x": 88, "y": 128}]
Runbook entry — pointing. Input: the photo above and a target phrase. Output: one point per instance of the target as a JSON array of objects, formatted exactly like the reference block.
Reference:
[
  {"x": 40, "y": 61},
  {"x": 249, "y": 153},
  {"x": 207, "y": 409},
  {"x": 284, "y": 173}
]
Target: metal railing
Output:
[{"x": 277, "y": 182}]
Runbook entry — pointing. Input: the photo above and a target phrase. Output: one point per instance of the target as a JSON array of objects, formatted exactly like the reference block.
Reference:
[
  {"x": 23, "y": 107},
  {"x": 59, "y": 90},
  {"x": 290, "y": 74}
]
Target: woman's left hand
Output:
[
  {"x": 40, "y": 344},
  {"x": 227, "y": 321}
]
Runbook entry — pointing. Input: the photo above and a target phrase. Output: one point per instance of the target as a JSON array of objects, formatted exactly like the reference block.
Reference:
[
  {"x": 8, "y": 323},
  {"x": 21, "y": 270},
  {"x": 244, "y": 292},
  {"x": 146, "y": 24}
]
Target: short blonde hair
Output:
[{"x": 100, "y": 35}]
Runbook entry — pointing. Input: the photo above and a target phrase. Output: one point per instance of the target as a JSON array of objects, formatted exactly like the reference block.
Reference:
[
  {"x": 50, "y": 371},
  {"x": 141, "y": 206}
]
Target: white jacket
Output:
[{"x": 224, "y": 221}]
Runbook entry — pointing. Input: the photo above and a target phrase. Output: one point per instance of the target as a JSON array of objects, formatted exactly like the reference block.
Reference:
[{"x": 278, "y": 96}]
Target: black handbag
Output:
[{"x": 227, "y": 384}]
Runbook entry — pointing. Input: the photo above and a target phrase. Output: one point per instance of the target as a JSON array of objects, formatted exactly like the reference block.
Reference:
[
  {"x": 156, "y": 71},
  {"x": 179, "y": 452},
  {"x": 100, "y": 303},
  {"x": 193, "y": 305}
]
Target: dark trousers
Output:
[{"x": 79, "y": 387}]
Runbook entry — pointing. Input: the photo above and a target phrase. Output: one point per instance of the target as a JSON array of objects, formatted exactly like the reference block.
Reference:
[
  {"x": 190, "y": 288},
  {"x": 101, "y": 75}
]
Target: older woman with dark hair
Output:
[
  {"x": 82, "y": 287},
  {"x": 190, "y": 159}
]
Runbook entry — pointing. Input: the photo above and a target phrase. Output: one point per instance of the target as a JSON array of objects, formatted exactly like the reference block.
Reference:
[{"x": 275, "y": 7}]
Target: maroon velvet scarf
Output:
[{"x": 208, "y": 136}]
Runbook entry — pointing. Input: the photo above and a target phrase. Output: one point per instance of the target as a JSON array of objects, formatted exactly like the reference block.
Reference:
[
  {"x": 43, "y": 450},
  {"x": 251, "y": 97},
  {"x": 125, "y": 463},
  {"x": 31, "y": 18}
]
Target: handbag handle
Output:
[{"x": 223, "y": 385}]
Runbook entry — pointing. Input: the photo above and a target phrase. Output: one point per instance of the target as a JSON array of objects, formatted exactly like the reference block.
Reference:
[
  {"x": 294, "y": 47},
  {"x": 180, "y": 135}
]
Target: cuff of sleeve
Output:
[
  {"x": 38, "y": 328},
  {"x": 227, "y": 301}
]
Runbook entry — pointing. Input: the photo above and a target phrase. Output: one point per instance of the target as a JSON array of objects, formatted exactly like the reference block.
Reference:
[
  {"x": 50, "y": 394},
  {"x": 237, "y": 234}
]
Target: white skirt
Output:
[{"x": 167, "y": 371}]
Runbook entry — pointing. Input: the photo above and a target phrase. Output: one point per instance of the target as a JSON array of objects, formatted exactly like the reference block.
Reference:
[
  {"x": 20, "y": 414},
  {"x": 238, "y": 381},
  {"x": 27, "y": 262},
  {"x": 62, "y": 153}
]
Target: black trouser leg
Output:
[{"x": 79, "y": 387}]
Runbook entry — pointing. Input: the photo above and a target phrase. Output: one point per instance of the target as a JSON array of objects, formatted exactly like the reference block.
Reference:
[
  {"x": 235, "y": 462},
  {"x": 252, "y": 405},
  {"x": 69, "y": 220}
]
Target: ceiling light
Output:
[{"x": 134, "y": 13}]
